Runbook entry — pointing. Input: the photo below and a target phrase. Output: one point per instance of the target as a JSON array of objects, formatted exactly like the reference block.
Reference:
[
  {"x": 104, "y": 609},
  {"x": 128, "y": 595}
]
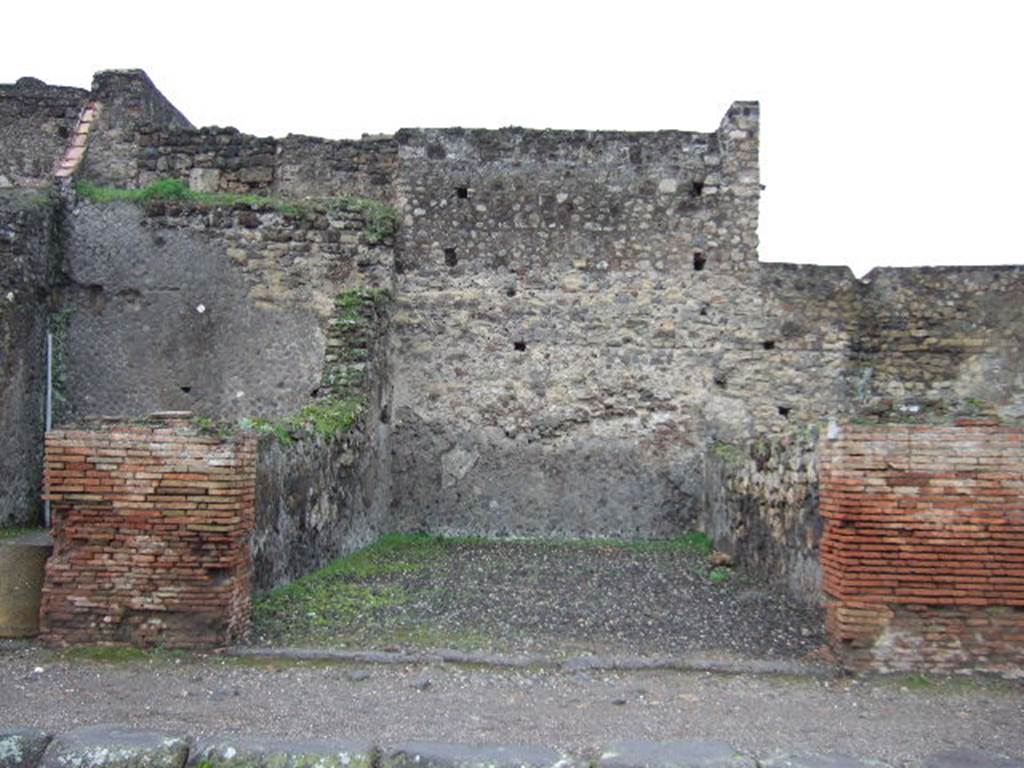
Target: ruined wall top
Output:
[{"x": 142, "y": 137}]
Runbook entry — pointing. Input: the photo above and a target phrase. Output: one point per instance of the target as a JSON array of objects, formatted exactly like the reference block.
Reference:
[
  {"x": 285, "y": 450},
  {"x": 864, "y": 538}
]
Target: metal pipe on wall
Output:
[{"x": 49, "y": 411}]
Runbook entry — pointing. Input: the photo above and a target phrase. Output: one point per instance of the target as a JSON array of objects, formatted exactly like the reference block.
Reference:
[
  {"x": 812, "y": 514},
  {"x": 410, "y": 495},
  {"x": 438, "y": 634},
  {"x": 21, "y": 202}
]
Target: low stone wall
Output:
[
  {"x": 112, "y": 746},
  {"x": 313, "y": 167},
  {"x": 215, "y": 159},
  {"x": 152, "y": 525},
  {"x": 210, "y": 159},
  {"x": 760, "y": 505},
  {"x": 142, "y": 137},
  {"x": 923, "y": 549}
]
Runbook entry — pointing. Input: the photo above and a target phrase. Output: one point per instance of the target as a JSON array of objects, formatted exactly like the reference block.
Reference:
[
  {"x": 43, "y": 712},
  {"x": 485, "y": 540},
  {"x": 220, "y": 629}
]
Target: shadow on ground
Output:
[{"x": 559, "y": 599}]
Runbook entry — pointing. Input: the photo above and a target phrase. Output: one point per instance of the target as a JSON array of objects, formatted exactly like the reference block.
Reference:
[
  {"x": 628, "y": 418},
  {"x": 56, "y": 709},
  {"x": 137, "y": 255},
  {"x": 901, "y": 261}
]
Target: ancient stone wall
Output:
[
  {"x": 152, "y": 527},
  {"x": 923, "y": 549},
  {"x": 225, "y": 160},
  {"x": 760, "y": 506},
  {"x": 562, "y": 298},
  {"x": 36, "y": 121},
  {"x": 311, "y": 167},
  {"x": 141, "y": 138},
  {"x": 26, "y": 234},
  {"x": 128, "y": 100},
  {"x": 320, "y": 497},
  {"x": 940, "y": 340},
  {"x": 222, "y": 310},
  {"x": 210, "y": 159},
  {"x": 272, "y": 318},
  {"x": 809, "y": 313}
]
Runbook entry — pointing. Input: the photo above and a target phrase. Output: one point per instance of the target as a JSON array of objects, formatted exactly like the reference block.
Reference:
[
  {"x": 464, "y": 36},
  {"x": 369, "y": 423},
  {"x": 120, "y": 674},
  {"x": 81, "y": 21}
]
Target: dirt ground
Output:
[
  {"x": 899, "y": 720},
  {"x": 539, "y": 599},
  {"x": 554, "y": 598}
]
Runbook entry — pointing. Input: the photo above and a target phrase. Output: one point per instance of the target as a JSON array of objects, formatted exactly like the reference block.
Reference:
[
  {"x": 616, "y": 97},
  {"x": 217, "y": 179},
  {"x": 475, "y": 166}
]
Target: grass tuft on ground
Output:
[{"x": 314, "y": 605}]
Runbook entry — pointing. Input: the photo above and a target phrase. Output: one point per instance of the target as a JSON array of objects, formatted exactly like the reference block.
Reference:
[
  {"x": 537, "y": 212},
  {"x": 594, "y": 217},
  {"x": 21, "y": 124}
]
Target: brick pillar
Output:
[
  {"x": 151, "y": 525},
  {"x": 923, "y": 549}
]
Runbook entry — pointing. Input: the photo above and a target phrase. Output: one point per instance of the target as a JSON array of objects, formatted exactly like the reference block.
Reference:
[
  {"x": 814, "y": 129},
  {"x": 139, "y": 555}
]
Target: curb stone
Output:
[
  {"x": 673, "y": 754},
  {"x": 257, "y": 752},
  {"x": 22, "y": 746},
  {"x": 426, "y": 754},
  {"x": 113, "y": 746},
  {"x": 966, "y": 757},
  {"x": 819, "y": 760},
  {"x": 574, "y": 664}
]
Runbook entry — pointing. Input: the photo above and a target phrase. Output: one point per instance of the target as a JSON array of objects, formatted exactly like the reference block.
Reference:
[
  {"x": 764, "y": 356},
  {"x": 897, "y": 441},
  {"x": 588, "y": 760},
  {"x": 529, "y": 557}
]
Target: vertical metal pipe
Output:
[{"x": 49, "y": 410}]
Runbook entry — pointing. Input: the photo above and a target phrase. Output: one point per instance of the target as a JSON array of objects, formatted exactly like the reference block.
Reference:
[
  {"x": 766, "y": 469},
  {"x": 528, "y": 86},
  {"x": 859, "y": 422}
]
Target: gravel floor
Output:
[
  {"x": 549, "y": 598},
  {"x": 899, "y": 720}
]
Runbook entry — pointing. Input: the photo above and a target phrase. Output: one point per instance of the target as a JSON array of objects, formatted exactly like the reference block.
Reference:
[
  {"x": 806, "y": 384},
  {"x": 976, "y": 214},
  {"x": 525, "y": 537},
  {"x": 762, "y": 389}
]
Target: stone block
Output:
[
  {"x": 673, "y": 754},
  {"x": 204, "y": 180},
  {"x": 820, "y": 760},
  {"x": 22, "y": 747},
  {"x": 241, "y": 752},
  {"x": 966, "y": 757},
  {"x": 422, "y": 754},
  {"x": 112, "y": 746}
]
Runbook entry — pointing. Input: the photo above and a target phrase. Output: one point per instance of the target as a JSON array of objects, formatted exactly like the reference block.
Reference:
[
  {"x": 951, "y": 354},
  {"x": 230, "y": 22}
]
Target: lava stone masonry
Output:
[
  {"x": 152, "y": 528},
  {"x": 36, "y": 122},
  {"x": 923, "y": 549},
  {"x": 581, "y": 341},
  {"x": 25, "y": 244}
]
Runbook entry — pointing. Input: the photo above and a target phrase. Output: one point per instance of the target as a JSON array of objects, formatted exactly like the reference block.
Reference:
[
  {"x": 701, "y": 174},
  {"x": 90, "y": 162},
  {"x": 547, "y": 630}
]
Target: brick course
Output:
[
  {"x": 152, "y": 529},
  {"x": 923, "y": 549}
]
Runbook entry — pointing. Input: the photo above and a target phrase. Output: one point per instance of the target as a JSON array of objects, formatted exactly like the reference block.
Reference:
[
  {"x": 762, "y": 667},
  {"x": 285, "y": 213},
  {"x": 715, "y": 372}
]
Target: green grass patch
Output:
[
  {"x": 364, "y": 599},
  {"x": 330, "y": 416},
  {"x": 719, "y": 575},
  {"x": 18, "y": 530},
  {"x": 337, "y": 594},
  {"x": 335, "y": 413},
  {"x": 280, "y": 432},
  {"x": 916, "y": 682},
  {"x": 695, "y": 542},
  {"x": 381, "y": 219}
]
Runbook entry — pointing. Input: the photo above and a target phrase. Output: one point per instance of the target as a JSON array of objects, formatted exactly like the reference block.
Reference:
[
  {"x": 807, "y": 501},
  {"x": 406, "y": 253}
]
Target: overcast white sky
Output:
[{"x": 891, "y": 131}]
